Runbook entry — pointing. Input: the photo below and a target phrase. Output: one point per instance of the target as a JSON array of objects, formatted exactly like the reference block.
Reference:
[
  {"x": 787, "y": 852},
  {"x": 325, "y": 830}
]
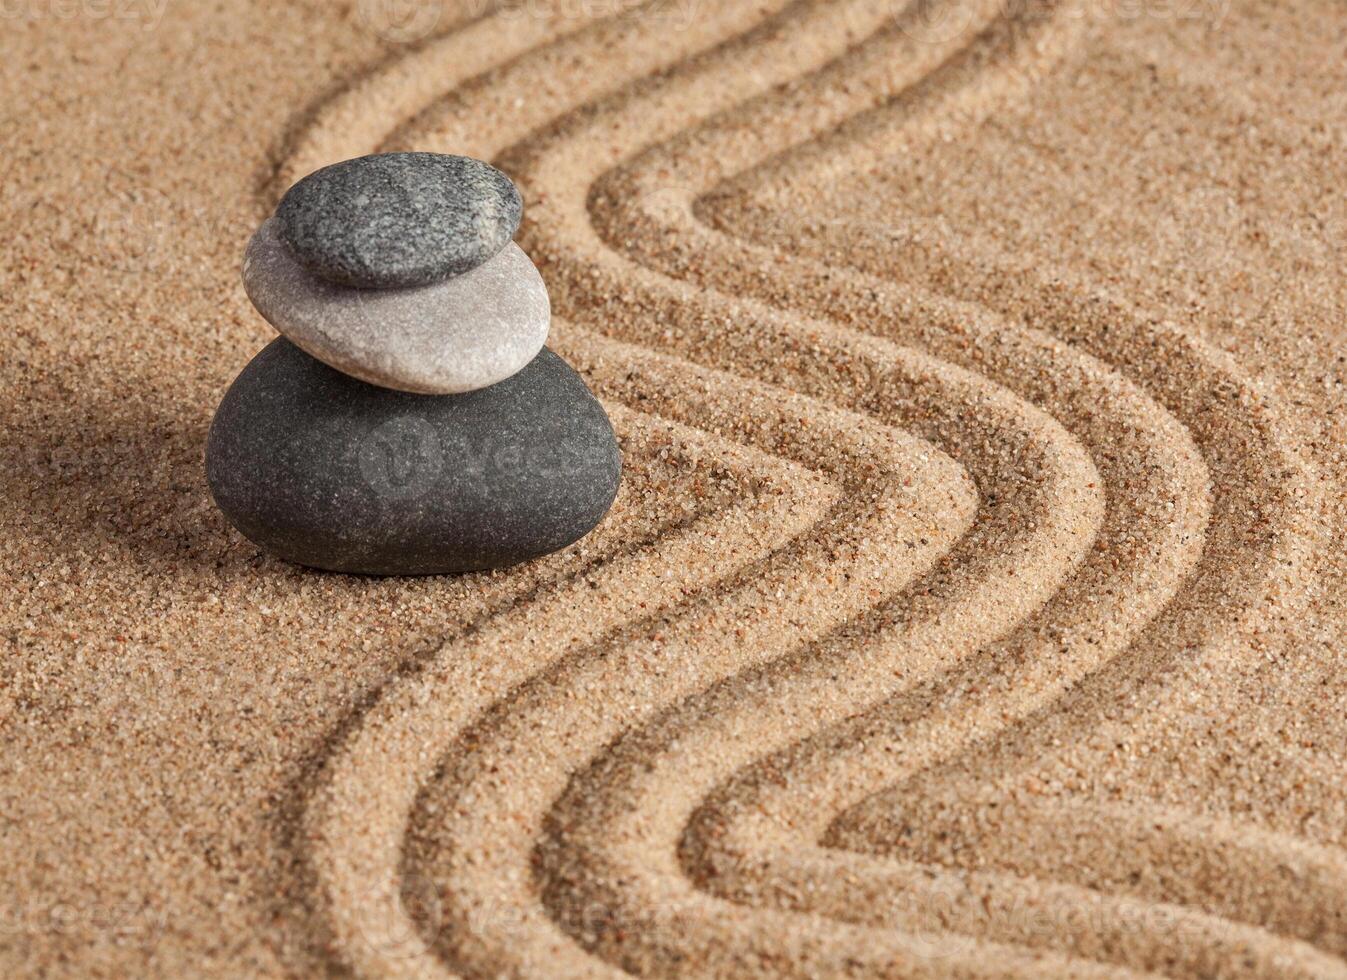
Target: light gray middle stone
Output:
[{"x": 453, "y": 336}]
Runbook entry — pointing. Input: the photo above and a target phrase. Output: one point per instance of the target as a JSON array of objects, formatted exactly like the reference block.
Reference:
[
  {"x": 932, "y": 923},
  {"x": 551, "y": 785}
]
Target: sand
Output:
[{"x": 973, "y": 604}]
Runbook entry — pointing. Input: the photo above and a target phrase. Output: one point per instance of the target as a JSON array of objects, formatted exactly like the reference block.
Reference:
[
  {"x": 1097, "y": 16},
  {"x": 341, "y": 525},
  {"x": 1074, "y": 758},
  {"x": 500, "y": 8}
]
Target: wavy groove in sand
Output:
[
  {"x": 1257, "y": 466},
  {"x": 1008, "y": 492},
  {"x": 377, "y": 771},
  {"x": 612, "y": 839},
  {"x": 673, "y": 238},
  {"x": 1216, "y": 868}
]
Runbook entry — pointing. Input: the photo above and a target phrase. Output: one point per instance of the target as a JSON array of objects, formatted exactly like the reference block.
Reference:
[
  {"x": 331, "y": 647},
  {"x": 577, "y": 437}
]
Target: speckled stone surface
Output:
[
  {"x": 458, "y": 335},
  {"x": 328, "y": 471},
  {"x": 393, "y": 220}
]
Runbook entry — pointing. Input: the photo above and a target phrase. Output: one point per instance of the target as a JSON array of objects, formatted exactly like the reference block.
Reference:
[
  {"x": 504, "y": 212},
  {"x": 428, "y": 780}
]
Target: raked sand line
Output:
[
  {"x": 1249, "y": 444},
  {"x": 644, "y": 207},
  {"x": 638, "y": 44},
  {"x": 357, "y": 816},
  {"x": 1215, "y": 865},
  {"x": 1254, "y": 451},
  {"x": 943, "y": 633},
  {"x": 1081, "y": 313},
  {"x": 1252, "y": 571},
  {"x": 757, "y": 857},
  {"x": 481, "y": 853},
  {"x": 863, "y": 93},
  {"x": 661, "y": 194},
  {"x": 622, "y": 226},
  {"x": 360, "y": 117},
  {"x": 418, "y": 143},
  {"x": 1268, "y": 501},
  {"x": 707, "y": 257},
  {"x": 662, "y": 461},
  {"x": 1169, "y": 498},
  {"x": 762, "y": 588}
]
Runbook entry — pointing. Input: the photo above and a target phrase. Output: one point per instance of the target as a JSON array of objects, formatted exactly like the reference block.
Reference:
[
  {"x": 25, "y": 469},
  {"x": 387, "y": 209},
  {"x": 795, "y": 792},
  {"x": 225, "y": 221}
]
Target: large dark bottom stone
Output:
[{"x": 331, "y": 472}]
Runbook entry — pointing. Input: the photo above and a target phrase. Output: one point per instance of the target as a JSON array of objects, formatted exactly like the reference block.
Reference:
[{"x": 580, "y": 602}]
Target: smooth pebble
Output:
[
  {"x": 330, "y": 472},
  {"x": 392, "y": 220},
  {"x": 454, "y": 336}
]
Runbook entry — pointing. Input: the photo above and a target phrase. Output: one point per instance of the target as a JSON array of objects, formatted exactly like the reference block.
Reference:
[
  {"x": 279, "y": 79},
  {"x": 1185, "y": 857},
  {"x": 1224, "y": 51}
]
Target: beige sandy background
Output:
[{"x": 973, "y": 604}]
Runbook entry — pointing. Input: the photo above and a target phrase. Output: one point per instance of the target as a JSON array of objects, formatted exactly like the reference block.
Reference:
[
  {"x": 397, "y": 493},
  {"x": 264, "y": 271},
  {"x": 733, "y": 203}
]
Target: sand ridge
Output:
[
  {"x": 657, "y": 193},
  {"x": 954, "y": 527}
]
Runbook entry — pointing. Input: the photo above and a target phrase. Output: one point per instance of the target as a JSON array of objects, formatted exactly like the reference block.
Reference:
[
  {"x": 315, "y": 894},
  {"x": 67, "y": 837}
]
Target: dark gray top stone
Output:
[
  {"x": 331, "y": 472},
  {"x": 392, "y": 220}
]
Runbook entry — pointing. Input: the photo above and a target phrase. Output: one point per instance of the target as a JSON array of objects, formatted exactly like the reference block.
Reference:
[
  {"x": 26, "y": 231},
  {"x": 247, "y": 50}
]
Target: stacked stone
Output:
[{"x": 409, "y": 419}]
